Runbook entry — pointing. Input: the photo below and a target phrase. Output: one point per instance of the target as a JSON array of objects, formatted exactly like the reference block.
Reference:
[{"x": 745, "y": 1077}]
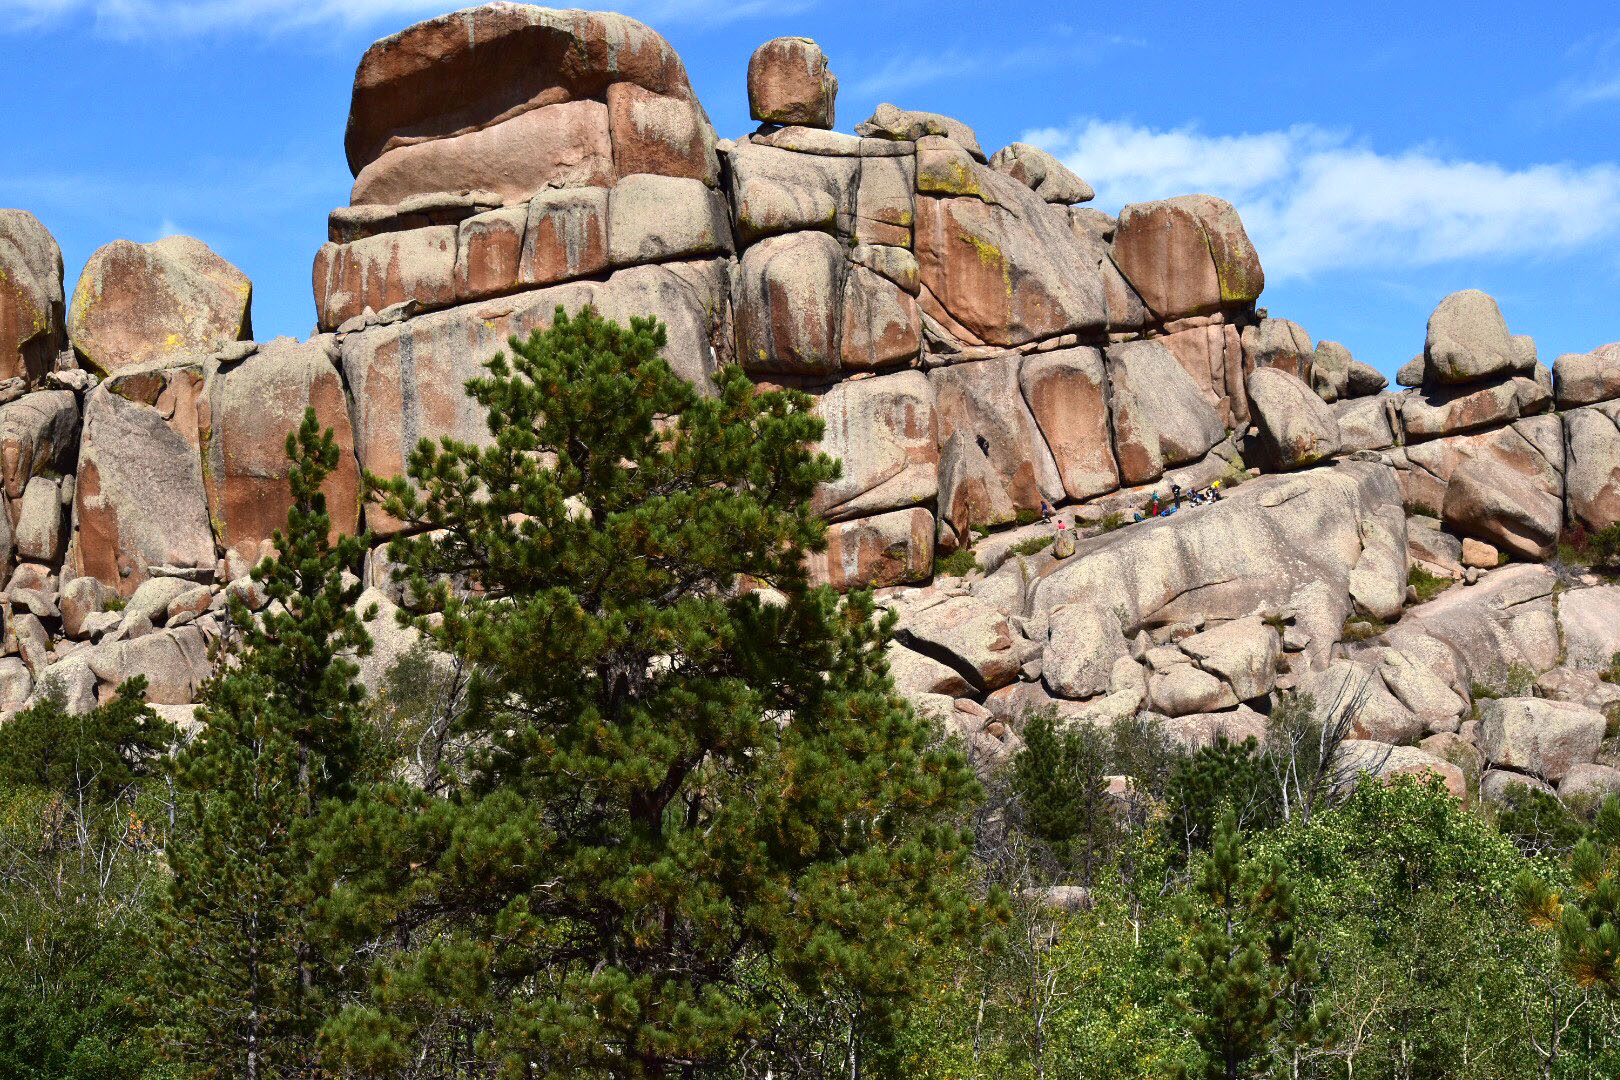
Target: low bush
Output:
[
  {"x": 1428, "y": 585},
  {"x": 959, "y": 563}
]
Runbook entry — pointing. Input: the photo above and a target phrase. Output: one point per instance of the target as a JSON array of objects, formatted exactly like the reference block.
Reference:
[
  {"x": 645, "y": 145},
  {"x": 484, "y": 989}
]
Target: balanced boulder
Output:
[
  {"x": 1468, "y": 340},
  {"x": 140, "y": 302},
  {"x": 788, "y": 83}
]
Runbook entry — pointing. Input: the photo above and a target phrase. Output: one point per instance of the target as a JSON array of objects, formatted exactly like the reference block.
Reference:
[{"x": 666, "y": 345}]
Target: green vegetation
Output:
[
  {"x": 959, "y": 563},
  {"x": 1428, "y": 585},
  {"x": 615, "y": 817},
  {"x": 1033, "y": 545},
  {"x": 1599, "y": 551},
  {"x": 1110, "y": 521},
  {"x": 1359, "y": 627},
  {"x": 1418, "y": 509},
  {"x": 1026, "y": 517},
  {"x": 1611, "y": 674}
]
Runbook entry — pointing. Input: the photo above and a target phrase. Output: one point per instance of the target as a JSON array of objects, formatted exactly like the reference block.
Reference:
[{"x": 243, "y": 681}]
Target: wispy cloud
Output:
[
  {"x": 1315, "y": 200},
  {"x": 147, "y": 18},
  {"x": 904, "y": 73}
]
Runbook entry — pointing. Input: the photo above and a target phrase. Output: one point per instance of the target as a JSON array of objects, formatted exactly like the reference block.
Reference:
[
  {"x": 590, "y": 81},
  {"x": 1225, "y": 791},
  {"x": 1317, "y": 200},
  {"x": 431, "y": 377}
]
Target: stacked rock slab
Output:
[{"x": 1478, "y": 449}]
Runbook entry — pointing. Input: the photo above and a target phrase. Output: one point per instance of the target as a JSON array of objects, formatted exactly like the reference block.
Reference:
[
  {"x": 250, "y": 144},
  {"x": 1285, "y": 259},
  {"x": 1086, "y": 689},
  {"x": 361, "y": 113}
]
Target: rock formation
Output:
[{"x": 976, "y": 338}]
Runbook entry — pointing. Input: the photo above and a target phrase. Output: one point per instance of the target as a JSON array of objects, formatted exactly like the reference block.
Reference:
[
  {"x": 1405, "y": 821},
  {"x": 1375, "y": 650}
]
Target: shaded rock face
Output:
[
  {"x": 31, "y": 301},
  {"x": 1296, "y": 428},
  {"x": 141, "y": 302}
]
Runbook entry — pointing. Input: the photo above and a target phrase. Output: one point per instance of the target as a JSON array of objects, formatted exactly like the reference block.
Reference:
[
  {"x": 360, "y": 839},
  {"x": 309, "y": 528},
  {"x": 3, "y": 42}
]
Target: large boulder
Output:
[
  {"x": 1489, "y": 633},
  {"x": 1296, "y": 427},
  {"x": 1444, "y": 409},
  {"x": 31, "y": 300},
  {"x": 1592, "y": 464},
  {"x": 881, "y": 327},
  {"x": 1243, "y": 653},
  {"x": 907, "y": 125},
  {"x": 997, "y": 261},
  {"x": 1213, "y": 355},
  {"x": 1351, "y": 692},
  {"x": 1067, "y": 395},
  {"x": 1468, "y": 340},
  {"x": 1589, "y": 625},
  {"x": 1245, "y": 555},
  {"x": 786, "y": 293},
  {"x": 777, "y": 191},
  {"x": 140, "y": 502},
  {"x": 984, "y": 399},
  {"x": 557, "y": 236},
  {"x": 887, "y": 549},
  {"x": 1367, "y": 423},
  {"x": 252, "y": 406},
  {"x": 1511, "y": 481},
  {"x": 383, "y": 270},
  {"x": 971, "y": 493},
  {"x": 1533, "y": 735},
  {"x": 1187, "y": 256},
  {"x": 140, "y": 302},
  {"x": 476, "y": 69},
  {"x": 39, "y": 433},
  {"x": 969, "y": 636},
  {"x": 1330, "y": 370},
  {"x": 883, "y": 431},
  {"x": 789, "y": 83},
  {"x": 1044, "y": 174},
  {"x": 1588, "y": 378},
  {"x": 1279, "y": 343},
  {"x": 1383, "y": 761},
  {"x": 1161, "y": 416}
]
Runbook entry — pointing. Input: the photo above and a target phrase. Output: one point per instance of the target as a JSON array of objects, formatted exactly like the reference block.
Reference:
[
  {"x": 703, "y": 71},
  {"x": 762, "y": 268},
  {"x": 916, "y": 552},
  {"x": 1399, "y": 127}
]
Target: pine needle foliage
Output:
[
  {"x": 1246, "y": 975},
  {"x": 237, "y": 984},
  {"x": 687, "y": 805}
]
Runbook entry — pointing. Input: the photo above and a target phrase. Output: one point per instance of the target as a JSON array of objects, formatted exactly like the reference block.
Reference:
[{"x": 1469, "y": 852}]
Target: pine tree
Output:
[
  {"x": 1587, "y": 917},
  {"x": 688, "y": 798},
  {"x": 237, "y": 984},
  {"x": 1247, "y": 978},
  {"x": 1062, "y": 786}
]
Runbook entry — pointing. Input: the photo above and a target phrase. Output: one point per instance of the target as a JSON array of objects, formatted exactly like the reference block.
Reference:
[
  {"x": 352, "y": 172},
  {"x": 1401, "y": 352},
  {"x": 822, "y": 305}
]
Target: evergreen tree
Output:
[
  {"x": 237, "y": 983},
  {"x": 687, "y": 803},
  {"x": 1246, "y": 978},
  {"x": 1061, "y": 779},
  {"x": 1225, "y": 776},
  {"x": 1587, "y": 917},
  {"x": 98, "y": 754}
]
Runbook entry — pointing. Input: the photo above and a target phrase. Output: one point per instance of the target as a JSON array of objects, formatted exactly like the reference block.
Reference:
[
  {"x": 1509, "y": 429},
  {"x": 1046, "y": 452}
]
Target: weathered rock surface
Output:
[
  {"x": 1592, "y": 464},
  {"x": 31, "y": 299},
  {"x": 1468, "y": 340},
  {"x": 1045, "y": 175},
  {"x": 1588, "y": 378},
  {"x": 1187, "y": 256},
  {"x": 1281, "y": 344},
  {"x": 1545, "y": 738},
  {"x": 1066, "y": 391},
  {"x": 884, "y": 432},
  {"x": 140, "y": 302},
  {"x": 1296, "y": 427},
  {"x": 789, "y": 83},
  {"x": 1384, "y": 761},
  {"x": 886, "y": 549},
  {"x": 1161, "y": 417}
]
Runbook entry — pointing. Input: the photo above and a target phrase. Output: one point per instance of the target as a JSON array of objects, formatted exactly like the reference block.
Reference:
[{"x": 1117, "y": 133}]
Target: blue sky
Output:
[{"x": 1382, "y": 154}]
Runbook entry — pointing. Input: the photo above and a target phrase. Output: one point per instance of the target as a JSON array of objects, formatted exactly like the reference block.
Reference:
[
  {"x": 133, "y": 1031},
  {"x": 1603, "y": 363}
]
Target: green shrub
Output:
[
  {"x": 1428, "y": 585},
  {"x": 1111, "y": 521},
  {"x": 1032, "y": 545},
  {"x": 1417, "y": 509},
  {"x": 1536, "y": 822},
  {"x": 959, "y": 563},
  {"x": 1605, "y": 547},
  {"x": 1611, "y": 674},
  {"x": 1026, "y": 517}
]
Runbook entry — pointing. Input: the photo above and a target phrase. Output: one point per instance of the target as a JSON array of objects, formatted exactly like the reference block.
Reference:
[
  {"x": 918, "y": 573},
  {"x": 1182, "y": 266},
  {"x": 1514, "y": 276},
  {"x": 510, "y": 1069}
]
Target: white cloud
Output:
[
  {"x": 1313, "y": 200},
  {"x": 144, "y": 18}
]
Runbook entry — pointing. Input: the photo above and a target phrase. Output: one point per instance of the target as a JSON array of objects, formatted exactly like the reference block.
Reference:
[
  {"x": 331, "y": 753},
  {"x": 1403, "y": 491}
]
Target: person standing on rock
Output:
[{"x": 1046, "y": 511}]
